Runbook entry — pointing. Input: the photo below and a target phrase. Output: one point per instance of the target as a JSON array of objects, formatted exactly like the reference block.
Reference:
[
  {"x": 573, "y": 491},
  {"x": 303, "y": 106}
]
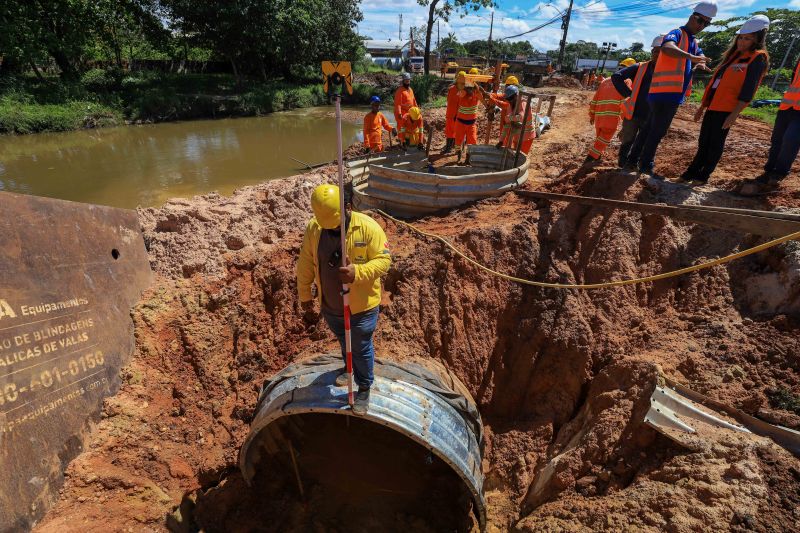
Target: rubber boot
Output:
[{"x": 448, "y": 145}]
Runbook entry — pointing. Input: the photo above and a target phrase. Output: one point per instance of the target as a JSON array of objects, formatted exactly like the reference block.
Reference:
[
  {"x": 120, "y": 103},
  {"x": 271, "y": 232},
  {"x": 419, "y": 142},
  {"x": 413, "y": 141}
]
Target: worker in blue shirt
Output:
[
  {"x": 672, "y": 80},
  {"x": 635, "y": 109}
]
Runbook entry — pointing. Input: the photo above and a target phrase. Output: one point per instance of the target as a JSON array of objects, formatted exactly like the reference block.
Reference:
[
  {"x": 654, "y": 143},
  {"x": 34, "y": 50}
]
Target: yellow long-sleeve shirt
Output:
[{"x": 367, "y": 249}]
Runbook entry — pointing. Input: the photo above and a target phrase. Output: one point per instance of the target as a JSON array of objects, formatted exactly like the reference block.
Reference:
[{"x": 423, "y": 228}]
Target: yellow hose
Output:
[{"x": 722, "y": 260}]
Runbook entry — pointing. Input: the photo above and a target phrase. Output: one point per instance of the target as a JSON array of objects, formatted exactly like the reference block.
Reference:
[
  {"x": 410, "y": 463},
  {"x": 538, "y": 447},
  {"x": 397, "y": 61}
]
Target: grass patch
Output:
[
  {"x": 784, "y": 399},
  {"x": 439, "y": 101},
  {"x": 21, "y": 117}
]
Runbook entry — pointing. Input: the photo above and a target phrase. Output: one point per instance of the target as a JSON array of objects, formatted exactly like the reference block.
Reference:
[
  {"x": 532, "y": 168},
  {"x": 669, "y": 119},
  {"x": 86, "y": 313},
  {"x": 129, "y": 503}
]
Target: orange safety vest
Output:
[
  {"x": 468, "y": 106},
  {"x": 669, "y": 73},
  {"x": 791, "y": 98},
  {"x": 606, "y": 106},
  {"x": 403, "y": 101},
  {"x": 730, "y": 83},
  {"x": 629, "y": 105}
]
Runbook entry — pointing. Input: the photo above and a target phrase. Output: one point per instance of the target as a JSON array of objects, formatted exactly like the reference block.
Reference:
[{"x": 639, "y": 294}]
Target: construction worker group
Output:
[
  {"x": 464, "y": 100},
  {"x": 646, "y": 96}
]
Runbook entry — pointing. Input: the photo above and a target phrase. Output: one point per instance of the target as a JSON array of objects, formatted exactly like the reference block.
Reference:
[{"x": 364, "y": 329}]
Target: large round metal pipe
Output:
[{"x": 422, "y": 432}]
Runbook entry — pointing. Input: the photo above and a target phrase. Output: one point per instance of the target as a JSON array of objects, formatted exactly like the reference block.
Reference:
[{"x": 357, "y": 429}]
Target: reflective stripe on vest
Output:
[
  {"x": 629, "y": 105},
  {"x": 669, "y": 74},
  {"x": 726, "y": 96},
  {"x": 791, "y": 98}
]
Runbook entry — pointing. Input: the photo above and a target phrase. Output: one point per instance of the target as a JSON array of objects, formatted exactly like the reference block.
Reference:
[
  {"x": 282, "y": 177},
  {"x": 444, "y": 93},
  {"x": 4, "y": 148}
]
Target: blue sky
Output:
[{"x": 592, "y": 20}]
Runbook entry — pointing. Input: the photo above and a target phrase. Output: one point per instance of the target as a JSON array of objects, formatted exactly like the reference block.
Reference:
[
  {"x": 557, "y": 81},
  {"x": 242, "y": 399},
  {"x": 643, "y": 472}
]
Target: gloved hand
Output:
[
  {"x": 366, "y": 149},
  {"x": 591, "y": 119},
  {"x": 394, "y": 132}
]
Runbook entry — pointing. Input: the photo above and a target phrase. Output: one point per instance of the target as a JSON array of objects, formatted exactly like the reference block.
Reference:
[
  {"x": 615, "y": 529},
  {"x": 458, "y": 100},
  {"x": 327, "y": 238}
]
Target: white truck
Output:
[{"x": 416, "y": 64}]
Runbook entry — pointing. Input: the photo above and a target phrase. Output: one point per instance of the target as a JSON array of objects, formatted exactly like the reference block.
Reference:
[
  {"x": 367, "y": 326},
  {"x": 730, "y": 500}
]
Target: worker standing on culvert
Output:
[
  {"x": 320, "y": 263},
  {"x": 785, "y": 142},
  {"x": 672, "y": 81},
  {"x": 411, "y": 129},
  {"x": 728, "y": 92},
  {"x": 510, "y": 123},
  {"x": 374, "y": 123},
  {"x": 635, "y": 108},
  {"x": 467, "y": 116},
  {"x": 404, "y": 98},
  {"x": 605, "y": 110},
  {"x": 452, "y": 111}
]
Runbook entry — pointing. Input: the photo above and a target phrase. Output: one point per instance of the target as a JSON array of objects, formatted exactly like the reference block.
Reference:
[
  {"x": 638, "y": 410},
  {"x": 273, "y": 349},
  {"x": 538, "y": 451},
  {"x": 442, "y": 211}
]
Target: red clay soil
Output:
[{"x": 562, "y": 377}]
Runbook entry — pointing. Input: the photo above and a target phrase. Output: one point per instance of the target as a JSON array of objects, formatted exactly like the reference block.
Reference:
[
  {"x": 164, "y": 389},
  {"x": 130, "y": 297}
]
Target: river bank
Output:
[{"x": 113, "y": 98}]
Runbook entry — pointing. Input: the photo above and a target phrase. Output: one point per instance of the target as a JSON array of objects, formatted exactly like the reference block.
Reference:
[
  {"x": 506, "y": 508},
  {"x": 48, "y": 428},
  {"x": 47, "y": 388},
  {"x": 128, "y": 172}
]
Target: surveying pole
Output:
[
  {"x": 491, "y": 25},
  {"x": 565, "y": 26}
]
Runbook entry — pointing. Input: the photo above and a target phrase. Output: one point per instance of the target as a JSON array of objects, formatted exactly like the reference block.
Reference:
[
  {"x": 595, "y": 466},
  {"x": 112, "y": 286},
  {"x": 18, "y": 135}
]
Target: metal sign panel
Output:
[
  {"x": 69, "y": 275},
  {"x": 590, "y": 64}
]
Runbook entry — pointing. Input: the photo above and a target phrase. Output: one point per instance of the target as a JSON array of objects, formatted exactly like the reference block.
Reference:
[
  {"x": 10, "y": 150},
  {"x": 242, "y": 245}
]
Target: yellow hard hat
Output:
[
  {"x": 414, "y": 113},
  {"x": 512, "y": 80},
  {"x": 474, "y": 70},
  {"x": 461, "y": 75},
  {"x": 325, "y": 205},
  {"x": 628, "y": 62}
]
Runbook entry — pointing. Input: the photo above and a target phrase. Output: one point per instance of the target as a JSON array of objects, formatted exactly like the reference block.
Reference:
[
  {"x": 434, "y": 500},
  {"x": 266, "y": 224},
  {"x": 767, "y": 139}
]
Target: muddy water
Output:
[{"x": 144, "y": 165}]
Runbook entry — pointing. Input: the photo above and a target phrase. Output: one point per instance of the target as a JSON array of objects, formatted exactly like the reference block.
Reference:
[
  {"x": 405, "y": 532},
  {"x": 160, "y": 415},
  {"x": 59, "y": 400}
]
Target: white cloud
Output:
[{"x": 795, "y": 3}]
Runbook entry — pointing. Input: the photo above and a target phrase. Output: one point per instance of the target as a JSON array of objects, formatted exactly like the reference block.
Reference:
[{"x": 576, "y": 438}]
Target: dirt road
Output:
[{"x": 562, "y": 377}]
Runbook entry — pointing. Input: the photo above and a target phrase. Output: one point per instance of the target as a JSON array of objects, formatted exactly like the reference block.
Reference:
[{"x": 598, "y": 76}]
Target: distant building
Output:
[{"x": 386, "y": 47}]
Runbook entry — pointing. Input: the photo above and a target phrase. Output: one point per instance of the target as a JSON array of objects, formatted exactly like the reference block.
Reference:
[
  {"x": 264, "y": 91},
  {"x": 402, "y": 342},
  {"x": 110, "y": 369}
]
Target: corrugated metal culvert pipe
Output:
[{"x": 417, "y": 452}]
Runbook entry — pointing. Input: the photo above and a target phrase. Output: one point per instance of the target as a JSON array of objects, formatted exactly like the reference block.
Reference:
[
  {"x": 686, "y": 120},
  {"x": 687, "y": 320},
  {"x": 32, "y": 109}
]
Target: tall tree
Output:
[{"x": 442, "y": 9}]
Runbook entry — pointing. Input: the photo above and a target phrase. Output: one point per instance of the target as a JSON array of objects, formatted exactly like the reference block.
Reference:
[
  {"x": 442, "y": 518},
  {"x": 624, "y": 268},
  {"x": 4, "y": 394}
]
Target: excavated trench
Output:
[{"x": 561, "y": 379}]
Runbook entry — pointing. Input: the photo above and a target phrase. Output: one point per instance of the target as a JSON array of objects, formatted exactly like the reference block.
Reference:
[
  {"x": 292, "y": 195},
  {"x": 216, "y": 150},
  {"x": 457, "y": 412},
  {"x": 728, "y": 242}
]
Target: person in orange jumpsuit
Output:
[
  {"x": 510, "y": 123},
  {"x": 374, "y": 122},
  {"x": 592, "y": 78},
  {"x": 467, "y": 116},
  {"x": 411, "y": 128},
  {"x": 404, "y": 99},
  {"x": 452, "y": 110},
  {"x": 605, "y": 111}
]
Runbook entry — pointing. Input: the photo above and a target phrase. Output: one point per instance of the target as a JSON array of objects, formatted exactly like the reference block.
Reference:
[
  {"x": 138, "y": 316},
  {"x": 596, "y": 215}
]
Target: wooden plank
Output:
[{"x": 746, "y": 223}]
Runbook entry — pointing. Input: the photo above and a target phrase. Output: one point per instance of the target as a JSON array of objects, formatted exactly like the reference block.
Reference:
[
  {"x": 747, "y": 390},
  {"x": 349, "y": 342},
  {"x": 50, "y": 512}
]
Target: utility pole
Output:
[
  {"x": 438, "y": 40},
  {"x": 785, "y": 57},
  {"x": 400, "y": 29},
  {"x": 491, "y": 25},
  {"x": 565, "y": 27},
  {"x": 608, "y": 47}
]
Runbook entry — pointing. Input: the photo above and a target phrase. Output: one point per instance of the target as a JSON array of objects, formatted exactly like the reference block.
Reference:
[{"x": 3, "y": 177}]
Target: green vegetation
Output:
[
  {"x": 104, "y": 98},
  {"x": 783, "y": 398},
  {"x": 69, "y": 64},
  {"x": 765, "y": 114}
]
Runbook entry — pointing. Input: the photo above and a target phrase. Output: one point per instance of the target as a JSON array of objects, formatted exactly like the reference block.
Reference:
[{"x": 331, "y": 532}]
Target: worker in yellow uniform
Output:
[
  {"x": 320, "y": 264},
  {"x": 411, "y": 128},
  {"x": 404, "y": 98},
  {"x": 374, "y": 123}
]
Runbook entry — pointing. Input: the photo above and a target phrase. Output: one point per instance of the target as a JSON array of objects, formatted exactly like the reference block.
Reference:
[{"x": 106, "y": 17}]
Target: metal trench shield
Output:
[
  {"x": 69, "y": 275},
  {"x": 411, "y": 410}
]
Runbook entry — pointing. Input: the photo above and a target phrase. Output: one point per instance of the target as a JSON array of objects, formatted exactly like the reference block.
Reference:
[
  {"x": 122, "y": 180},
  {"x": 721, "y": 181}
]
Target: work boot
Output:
[
  {"x": 685, "y": 178},
  {"x": 341, "y": 379},
  {"x": 448, "y": 145},
  {"x": 650, "y": 173},
  {"x": 590, "y": 162},
  {"x": 362, "y": 401}
]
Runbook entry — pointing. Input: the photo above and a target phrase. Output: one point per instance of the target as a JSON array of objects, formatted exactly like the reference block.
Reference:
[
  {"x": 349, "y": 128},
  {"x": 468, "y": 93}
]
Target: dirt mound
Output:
[
  {"x": 382, "y": 81},
  {"x": 561, "y": 377},
  {"x": 567, "y": 82}
]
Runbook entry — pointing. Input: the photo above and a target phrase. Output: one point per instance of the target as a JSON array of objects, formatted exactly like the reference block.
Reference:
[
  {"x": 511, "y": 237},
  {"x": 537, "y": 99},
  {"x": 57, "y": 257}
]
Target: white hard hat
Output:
[
  {"x": 707, "y": 8},
  {"x": 657, "y": 41},
  {"x": 757, "y": 23}
]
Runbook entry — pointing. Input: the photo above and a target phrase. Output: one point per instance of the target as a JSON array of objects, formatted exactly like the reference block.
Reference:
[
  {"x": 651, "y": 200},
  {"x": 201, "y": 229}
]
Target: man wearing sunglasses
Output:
[
  {"x": 320, "y": 263},
  {"x": 672, "y": 82}
]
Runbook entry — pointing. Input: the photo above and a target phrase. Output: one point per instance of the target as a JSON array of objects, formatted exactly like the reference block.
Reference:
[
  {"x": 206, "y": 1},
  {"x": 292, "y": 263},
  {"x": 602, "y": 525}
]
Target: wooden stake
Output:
[{"x": 522, "y": 131}]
